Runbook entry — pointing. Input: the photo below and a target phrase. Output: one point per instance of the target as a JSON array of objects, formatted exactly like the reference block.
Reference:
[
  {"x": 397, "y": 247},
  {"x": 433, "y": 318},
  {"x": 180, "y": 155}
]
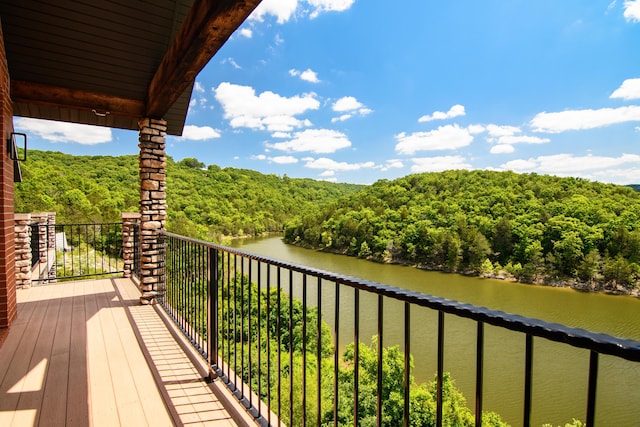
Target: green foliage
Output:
[
  {"x": 541, "y": 228},
  {"x": 202, "y": 203},
  {"x": 190, "y": 162},
  {"x": 263, "y": 329}
]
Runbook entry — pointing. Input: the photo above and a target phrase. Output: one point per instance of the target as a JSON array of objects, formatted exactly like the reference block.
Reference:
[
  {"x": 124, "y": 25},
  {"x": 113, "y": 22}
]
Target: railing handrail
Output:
[{"x": 599, "y": 342}]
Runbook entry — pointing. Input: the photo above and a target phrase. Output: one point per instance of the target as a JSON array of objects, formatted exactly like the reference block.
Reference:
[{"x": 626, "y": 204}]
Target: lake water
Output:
[{"x": 560, "y": 371}]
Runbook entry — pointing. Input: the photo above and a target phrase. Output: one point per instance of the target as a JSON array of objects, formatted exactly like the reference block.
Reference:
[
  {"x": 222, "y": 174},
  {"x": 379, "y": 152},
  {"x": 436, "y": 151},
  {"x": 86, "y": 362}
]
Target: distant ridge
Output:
[{"x": 635, "y": 186}]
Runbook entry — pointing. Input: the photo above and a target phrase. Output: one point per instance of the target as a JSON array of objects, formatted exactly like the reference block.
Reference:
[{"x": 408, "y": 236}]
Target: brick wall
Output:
[{"x": 7, "y": 257}]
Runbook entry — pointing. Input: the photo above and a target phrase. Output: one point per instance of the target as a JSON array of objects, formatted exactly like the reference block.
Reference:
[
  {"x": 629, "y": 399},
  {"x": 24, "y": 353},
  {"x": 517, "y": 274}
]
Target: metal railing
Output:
[
  {"x": 72, "y": 251},
  {"x": 258, "y": 322}
]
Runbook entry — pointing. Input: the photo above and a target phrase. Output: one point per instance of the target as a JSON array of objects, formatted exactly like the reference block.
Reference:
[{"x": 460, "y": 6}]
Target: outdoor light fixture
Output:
[
  {"x": 12, "y": 146},
  {"x": 12, "y": 150}
]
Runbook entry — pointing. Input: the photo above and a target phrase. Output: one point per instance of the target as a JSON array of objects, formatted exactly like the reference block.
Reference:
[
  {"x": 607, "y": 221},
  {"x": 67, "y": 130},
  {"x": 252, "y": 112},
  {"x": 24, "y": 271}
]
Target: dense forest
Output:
[
  {"x": 205, "y": 203},
  {"x": 534, "y": 228},
  {"x": 530, "y": 227}
]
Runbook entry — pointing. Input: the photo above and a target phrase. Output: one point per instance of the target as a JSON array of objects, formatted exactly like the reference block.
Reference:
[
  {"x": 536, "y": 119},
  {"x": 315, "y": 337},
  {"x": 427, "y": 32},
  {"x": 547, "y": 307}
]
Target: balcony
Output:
[{"x": 87, "y": 352}]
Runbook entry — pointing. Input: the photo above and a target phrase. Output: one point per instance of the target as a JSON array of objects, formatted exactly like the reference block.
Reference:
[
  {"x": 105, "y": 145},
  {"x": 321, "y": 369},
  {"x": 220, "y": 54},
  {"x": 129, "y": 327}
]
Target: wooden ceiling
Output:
[{"x": 110, "y": 63}]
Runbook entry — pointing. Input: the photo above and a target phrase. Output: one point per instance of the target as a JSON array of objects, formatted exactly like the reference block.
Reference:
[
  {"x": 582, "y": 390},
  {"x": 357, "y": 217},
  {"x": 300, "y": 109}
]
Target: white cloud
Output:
[
  {"x": 447, "y": 137},
  {"x": 439, "y": 164},
  {"x": 268, "y": 110},
  {"x": 341, "y": 118},
  {"x": 63, "y": 132},
  {"x": 506, "y": 136},
  {"x": 329, "y": 164},
  {"x": 623, "y": 169},
  {"x": 350, "y": 106},
  {"x": 281, "y": 135},
  {"x": 455, "y": 111},
  {"x": 622, "y": 176},
  {"x": 198, "y": 87},
  {"x": 315, "y": 141},
  {"x": 475, "y": 129},
  {"x": 246, "y": 32},
  {"x": 526, "y": 139},
  {"x": 502, "y": 149},
  {"x": 281, "y": 160},
  {"x": 391, "y": 164},
  {"x": 233, "y": 63},
  {"x": 583, "y": 119},
  {"x": 199, "y": 133},
  {"x": 328, "y": 173},
  {"x": 329, "y": 6},
  {"x": 307, "y": 75},
  {"x": 498, "y": 131},
  {"x": 283, "y": 10},
  {"x": 632, "y": 10},
  {"x": 346, "y": 103},
  {"x": 630, "y": 89}
]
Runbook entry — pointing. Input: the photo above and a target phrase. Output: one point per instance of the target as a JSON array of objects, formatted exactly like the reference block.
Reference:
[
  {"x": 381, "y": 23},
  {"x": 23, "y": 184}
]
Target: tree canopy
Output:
[
  {"x": 203, "y": 203},
  {"x": 532, "y": 227}
]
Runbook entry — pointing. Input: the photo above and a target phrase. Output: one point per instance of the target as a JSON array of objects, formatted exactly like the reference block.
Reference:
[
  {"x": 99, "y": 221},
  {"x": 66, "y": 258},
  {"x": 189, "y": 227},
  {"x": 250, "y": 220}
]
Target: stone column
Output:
[
  {"x": 129, "y": 223},
  {"x": 23, "y": 250},
  {"x": 153, "y": 205}
]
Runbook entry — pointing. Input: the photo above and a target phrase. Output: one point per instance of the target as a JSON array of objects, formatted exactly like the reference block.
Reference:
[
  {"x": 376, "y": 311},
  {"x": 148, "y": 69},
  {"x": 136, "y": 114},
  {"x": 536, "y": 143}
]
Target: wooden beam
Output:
[
  {"x": 74, "y": 99},
  {"x": 206, "y": 28}
]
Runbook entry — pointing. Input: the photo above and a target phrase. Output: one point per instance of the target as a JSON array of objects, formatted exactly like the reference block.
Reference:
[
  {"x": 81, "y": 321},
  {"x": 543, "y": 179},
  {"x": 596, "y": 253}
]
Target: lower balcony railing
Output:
[
  {"x": 275, "y": 333},
  {"x": 72, "y": 251}
]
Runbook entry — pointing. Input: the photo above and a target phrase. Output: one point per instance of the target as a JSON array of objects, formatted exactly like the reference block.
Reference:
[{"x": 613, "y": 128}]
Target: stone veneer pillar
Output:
[
  {"x": 129, "y": 223},
  {"x": 153, "y": 205},
  {"x": 23, "y": 250}
]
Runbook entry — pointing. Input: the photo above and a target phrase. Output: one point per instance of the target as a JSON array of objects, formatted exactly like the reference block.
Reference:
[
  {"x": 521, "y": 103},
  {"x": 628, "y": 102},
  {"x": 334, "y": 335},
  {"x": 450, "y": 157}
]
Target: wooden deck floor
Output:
[{"x": 86, "y": 353}]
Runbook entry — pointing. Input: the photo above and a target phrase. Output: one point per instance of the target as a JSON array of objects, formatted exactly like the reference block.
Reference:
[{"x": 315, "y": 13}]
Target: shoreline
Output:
[{"x": 602, "y": 288}]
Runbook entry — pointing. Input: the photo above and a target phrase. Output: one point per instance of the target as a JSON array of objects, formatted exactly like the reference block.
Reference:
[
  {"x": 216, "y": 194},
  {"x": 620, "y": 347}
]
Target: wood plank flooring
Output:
[{"x": 86, "y": 353}]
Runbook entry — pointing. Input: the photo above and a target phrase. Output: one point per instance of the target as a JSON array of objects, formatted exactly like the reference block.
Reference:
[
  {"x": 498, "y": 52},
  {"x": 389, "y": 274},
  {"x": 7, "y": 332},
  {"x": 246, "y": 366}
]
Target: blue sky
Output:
[{"x": 361, "y": 90}]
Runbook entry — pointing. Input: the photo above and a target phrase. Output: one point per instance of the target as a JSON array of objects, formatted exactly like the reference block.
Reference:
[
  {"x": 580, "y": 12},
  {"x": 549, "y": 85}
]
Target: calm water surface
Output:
[{"x": 560, "y": 372}]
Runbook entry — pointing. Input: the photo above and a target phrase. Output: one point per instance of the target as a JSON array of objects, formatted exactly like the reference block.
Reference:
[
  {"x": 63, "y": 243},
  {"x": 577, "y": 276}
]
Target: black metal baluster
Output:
[
  {"x": 183, "y": 270},
  {"x": 212, "y": 288},
  {"x": 407, "y": 362},
  {"x": 593, "y": 386},
  {"x": 229, "y": 332},
  {"x": 290, "y": 347},
  {"x": 479, "y": 372},
  {"x": 268, "y": 317},
  {"x": 304, "y": 350},
  {"x": 259, "y": 346},
  {"x": 242, "y": 325},
  {"x": 278, "y": 326},
  {"x": 235, "y": 323},
  {"x": 440, "y": 368},
  {"x": 528, "y": 371},
  {"x": 336, "y": 351},
  {"x": 250, "y": 382},
  {"x": 319, "y": 355},
  {"x": 356, "y": 357},
  {"x": 223, "y": 320},
  {"x": 380, "y": 379}
]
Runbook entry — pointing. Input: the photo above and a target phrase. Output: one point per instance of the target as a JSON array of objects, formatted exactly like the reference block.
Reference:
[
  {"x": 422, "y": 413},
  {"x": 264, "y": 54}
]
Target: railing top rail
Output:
[
  {"x": 599, "y": 342},
  {"x": 79, "y": 224}
]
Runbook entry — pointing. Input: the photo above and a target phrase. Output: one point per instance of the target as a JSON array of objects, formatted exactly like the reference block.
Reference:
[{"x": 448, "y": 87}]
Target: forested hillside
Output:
[
  {"x": 203, "y": 203},
  {"x": 527, "y": 226}
]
